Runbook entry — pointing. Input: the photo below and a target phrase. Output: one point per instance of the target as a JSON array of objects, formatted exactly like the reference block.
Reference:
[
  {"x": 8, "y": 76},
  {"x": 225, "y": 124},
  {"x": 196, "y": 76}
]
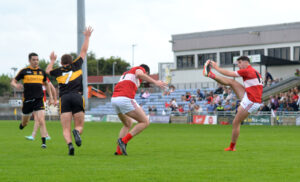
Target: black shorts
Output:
[
  {"x": 30, "y": 105},
  {"x": 71, "y": 102}
]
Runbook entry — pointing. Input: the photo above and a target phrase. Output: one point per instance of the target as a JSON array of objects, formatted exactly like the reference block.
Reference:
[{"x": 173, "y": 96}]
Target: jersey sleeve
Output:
[
  {"x": 242, "y": 72},
  {"x": 140, "y": 68},
  {"x": 77, "y": 63},
  {"x": 20, "y": 75},
  {"x": 56, "y": 72}
]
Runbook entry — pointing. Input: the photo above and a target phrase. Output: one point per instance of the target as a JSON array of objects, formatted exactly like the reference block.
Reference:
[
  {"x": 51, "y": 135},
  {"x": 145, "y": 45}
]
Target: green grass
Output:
[{"x": 163, "y": 152}]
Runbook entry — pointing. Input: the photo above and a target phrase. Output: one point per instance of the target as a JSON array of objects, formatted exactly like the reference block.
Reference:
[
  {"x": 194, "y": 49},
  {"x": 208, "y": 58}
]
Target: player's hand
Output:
[
  {"x": 214, "y": 64},
  {"x": 55, "y": 102},
  {"x": 161, "y": 84},
  {"x": 88, "y": 31},
  {"x": 51, "y": 102},
  {"x": 19, "y": 86},
  {"x": 53, "y": 57}
]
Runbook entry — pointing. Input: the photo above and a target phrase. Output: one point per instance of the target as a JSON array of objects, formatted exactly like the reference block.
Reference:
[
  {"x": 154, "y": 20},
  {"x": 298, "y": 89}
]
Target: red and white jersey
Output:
[
  {"x": 44, "y": 90},
  {"x": 252, "y": 82},
  {"x": 128, "y": 84}
]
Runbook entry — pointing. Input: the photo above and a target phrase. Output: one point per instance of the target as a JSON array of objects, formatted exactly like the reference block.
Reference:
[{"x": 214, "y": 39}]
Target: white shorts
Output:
[
  {"x": 124, "y": 104},
  {"x": 248, "y": 105}
]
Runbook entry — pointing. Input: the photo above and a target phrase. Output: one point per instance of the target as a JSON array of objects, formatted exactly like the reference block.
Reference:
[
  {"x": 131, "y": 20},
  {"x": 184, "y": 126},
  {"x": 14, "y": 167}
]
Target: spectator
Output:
[
  {"x": 216, "y": 99},
  {"x": 198, "y": 109},
  {"x": 173, "y": 105},
  {"x": 219, "y": 90},
  {"x": 297, "y": 73},
  {"x": 227, "y": 106},
  {"x": 192, "y": 106},
  {"x": 268, "y": 77},
  {"x": 146, "y": 94},
  {"x": 183, "y": 98},
  {"x": 188, "y": 96},
  {"x": 209, "y": 99},
  {"x": 264, "y": 107},
  {"x": 230, "y": 95},
  {"x": 211, "y": 108},
  {"x": 169, "y": 90},
  {"x": 292, "y": 105},
  {"x": 154, "y": 110},
  {"x": 180, "y": 109},
  {"x": 220, "y": 107},
  {"x": 233, "y": 106},
  {"x": 200, "y": 95},
  {"x": 142, "y": 92}
]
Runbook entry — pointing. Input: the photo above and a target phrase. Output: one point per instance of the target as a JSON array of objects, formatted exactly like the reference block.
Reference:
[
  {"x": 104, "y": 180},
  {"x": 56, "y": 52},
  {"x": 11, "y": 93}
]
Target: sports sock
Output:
[
  {"x": 232, "y": 145},
  {"x": 126, "y": 138},
  {"x": 211, "y": 75},
  {"x": 119, "y": 152},
  {"x": 44, "y": 140},
  {"x": 70, "y": 144}
]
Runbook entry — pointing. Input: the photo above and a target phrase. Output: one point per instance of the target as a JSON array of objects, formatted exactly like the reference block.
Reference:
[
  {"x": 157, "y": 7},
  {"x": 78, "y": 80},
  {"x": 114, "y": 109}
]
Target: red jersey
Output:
[
  {"x": 128, "y": 84},
  {"x": 252, "y": 82}
]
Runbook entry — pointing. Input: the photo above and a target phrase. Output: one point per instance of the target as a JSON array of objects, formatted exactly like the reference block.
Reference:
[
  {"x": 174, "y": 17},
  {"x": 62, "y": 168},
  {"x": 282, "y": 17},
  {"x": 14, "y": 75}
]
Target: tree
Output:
[
  {"x": 104, "y": 66},
  {"x": 5, "y": 87}
]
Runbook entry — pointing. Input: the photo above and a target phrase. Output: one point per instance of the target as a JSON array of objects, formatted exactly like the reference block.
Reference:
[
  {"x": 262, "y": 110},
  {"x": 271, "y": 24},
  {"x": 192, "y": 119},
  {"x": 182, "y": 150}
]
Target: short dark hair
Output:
[
  {"x": 32, "y": 54},
  {"x": 66, "y": 59},
  {"x": 243, "y": 58},
  {"x": 146, "y": 67}
]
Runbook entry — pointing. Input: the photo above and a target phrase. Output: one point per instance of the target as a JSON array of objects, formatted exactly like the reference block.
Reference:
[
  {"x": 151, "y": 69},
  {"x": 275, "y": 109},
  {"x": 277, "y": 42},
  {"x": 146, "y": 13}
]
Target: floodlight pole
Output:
[{"x": 80, "y": 39}]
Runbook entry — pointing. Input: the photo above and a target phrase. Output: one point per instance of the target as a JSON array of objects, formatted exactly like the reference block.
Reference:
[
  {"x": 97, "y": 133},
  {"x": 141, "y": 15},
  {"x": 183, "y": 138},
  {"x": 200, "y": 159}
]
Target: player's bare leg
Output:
[
  {"x": 39, "y": 116},
  {"x": 79, "y": 122},
  {"x": 240, "y": 116},
  {"x": 127, "y": 124},
  {"x": 143, "y": 122},
  {"x": 25, "y": 120},
  {"x": 66, "y": 119}
]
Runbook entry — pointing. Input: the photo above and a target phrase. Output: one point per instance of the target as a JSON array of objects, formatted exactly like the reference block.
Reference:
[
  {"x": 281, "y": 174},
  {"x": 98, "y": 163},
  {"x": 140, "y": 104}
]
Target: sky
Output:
[{"x": 43, "y": 26}]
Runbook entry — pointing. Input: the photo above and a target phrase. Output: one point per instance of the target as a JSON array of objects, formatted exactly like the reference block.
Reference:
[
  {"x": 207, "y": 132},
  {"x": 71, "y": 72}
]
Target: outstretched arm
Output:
[
  {"x": 140, "y": 74},
  {"x": 53, "y": 57},
  {"x": 87, "y": 34},
  {"x": 223, "y": 71},
  {"x": 14, "y": 83}
]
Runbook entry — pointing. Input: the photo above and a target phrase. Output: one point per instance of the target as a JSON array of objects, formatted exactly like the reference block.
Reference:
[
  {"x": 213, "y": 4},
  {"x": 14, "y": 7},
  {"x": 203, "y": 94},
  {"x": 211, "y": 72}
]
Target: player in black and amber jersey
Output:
[
  {"x": 33, "y": 79},
  {"x": 69, "y": 78}
]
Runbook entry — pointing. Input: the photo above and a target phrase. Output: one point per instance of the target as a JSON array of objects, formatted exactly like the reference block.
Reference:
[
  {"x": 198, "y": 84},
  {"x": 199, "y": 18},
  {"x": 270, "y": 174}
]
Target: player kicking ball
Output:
[
  {"x": 127, "y": 108},
  {"x": 250, "y": 94}
]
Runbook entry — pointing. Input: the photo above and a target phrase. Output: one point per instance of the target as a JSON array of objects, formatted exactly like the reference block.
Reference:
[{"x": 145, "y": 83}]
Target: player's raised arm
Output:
[
  {"x": 223, "y": 71},
  {"x": 140, "y": 74},
  {"x": 53, "y": 57},
  {"x": 87, "y": 34}
]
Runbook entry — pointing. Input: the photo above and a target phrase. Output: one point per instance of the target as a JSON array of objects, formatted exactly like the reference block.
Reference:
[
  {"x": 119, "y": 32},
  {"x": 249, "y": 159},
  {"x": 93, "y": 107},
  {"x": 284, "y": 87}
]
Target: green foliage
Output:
[
  {"x": 5, "y": 88},
  {"x": 103, "y": 65}
]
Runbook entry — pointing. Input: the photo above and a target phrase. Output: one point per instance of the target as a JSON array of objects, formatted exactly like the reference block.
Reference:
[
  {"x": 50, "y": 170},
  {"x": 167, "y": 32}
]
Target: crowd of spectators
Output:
[{"x": 287, "y": 101}]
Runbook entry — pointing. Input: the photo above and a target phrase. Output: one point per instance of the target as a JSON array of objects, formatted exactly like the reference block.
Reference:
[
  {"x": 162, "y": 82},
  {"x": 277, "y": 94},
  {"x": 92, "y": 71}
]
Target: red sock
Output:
[
  {"x": 119, "y": 152},
  {"x": 211, "y": 75},
  {"x": 232, "y": 145},
  {"x": 126, "y": 138}
]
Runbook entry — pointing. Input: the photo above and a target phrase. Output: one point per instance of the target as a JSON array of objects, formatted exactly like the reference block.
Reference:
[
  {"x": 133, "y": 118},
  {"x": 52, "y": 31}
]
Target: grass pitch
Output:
[{"x": 163, "y": 152}]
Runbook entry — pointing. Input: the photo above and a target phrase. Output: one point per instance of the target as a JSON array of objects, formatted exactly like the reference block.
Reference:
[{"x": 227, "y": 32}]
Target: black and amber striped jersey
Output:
[
  {"x": 69, "y": 78},
  {"x": 33, "y": 80}
]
